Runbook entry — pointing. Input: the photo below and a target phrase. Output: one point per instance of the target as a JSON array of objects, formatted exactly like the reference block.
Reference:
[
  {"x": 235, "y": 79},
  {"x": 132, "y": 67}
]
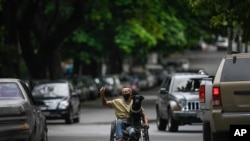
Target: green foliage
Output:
[
  {"x": 233, "y": 13},
  {"x": 105, "y": 28},
  {"x": 131, "y": 34}
]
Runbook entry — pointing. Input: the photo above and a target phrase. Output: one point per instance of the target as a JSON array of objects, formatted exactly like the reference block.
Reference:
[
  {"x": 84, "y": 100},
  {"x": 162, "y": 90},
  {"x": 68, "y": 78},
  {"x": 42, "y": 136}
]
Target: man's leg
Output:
[
  {"x": 118, "y": 131},
  {"x": 132, "y": 132}
]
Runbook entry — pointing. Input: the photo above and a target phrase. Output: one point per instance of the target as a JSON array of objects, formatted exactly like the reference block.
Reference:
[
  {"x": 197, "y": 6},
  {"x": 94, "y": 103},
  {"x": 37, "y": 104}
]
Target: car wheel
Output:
[
  {"x": 69, "y": 119},
  {"x": 206, "y": 131},
  {"x": 77, "y": 118},
  {"x": 32, "y": 135},
  {"x": 161, "y": 123},
  {"x": 220, "y": 136},
  {"x": 172, "y": 125},
  {"x": 45, "y": 135}
]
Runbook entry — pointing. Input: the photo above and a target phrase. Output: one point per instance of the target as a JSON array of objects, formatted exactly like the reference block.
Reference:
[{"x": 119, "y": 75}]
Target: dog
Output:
[{"x": 136, "y": 111}]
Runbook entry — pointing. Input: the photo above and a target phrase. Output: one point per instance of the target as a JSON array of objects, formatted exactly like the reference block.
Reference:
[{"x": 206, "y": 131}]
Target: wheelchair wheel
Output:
[
  {"x": 144, "y": 135},
  {"x": 112, "y": 131}
]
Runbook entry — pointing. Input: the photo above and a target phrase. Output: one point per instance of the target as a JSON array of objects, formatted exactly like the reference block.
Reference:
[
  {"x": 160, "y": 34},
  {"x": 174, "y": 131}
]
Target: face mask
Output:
[{"x": 126, "y": 96}]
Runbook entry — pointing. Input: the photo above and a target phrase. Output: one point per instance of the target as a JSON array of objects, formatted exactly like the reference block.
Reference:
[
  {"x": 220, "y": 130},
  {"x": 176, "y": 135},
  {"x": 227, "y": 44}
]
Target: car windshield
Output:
[
  {"x": 51, "y": 90},
  {"x": 109, "y": 80},
  {"x": 187, "y": 85},
  {"x": 10, "y": 90}
]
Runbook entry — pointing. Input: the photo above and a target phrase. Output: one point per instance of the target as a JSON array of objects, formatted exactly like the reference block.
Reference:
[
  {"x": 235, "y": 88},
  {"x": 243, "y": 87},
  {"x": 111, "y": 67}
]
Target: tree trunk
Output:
[{"x": 10, "y": 54}]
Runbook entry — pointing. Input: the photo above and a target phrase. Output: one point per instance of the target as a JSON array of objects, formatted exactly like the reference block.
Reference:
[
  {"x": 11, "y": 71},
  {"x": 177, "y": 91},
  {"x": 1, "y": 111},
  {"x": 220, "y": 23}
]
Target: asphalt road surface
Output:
[{"x": 96, "y": 119}]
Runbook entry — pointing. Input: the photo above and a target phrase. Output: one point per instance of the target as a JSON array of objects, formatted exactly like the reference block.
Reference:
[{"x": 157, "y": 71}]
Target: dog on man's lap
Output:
[{"x": 136, "y": 110}]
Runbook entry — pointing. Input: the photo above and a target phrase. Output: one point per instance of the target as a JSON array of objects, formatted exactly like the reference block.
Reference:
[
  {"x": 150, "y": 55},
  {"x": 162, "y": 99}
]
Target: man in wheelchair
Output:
[{"x": 122, "y": 107}]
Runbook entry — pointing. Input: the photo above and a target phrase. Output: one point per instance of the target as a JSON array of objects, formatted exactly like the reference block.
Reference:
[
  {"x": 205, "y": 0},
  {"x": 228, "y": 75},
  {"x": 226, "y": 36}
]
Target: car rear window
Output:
[
  {"x": 236, "y": 70},
  {"x": 10, "y": 90}
]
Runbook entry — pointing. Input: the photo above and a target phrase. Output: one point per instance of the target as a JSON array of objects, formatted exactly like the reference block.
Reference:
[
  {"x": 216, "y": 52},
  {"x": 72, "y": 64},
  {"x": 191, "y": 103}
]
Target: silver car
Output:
[{"x": 20, "y": 116}]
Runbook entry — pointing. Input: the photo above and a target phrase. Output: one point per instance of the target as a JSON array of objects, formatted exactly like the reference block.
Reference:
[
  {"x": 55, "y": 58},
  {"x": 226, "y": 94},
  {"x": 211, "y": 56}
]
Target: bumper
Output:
[
  {"x": 220, "y": 122},
  {"x": 204, "y": 115},
  {"x": 11, "y": 132},
  {"x": 55, "y": 114},
  {"x": 186, "y": 117}
]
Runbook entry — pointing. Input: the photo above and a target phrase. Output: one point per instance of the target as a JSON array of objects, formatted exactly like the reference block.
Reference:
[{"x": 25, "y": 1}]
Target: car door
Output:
[{"x": 37, "y": 118}]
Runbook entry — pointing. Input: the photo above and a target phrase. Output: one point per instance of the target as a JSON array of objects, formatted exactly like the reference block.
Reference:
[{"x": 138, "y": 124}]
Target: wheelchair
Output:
[{"x": 141, "y": 133}]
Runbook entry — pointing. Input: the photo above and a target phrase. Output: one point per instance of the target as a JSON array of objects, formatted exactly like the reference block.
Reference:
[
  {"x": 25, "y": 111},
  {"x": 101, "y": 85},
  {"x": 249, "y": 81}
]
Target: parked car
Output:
[
  {"x": 174, "y": 65},
  {"x": 155, "y": 69},
  {"x": 91, "y": 85},
  {"x": 178, "y": 101},
  {"x": 130, "y": 81},
  {"x": 142, "y": 80},
  {"x": 81, "y": 87},
  {"x": 112, "y": 83},
  {"x": 60, "y": 99},
  {"x": 20, "y": 116}
]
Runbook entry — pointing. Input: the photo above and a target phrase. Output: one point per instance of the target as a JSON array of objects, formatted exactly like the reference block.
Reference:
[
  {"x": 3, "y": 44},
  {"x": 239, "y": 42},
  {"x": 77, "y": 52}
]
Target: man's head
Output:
[{"x": 126, "y": 93}]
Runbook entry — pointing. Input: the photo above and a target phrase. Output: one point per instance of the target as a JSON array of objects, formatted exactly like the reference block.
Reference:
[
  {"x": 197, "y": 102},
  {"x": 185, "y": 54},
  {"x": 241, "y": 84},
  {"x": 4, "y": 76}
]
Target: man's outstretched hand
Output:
[{"x": 102, "y": 91}]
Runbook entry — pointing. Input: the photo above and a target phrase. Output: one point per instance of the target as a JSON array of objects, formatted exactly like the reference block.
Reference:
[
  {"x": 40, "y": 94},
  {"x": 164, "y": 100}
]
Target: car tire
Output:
[
  {"x": 161, "y": 123},
  {"x": 69, "y": 119},
  {"x": 220, "y": 136},
  {"x": 32, "y": 135},
  {"x": 44, "y": 135},
  {"x": 206, "y": 131},
  {"x": 77, "y": 118},
  {"x": 172, "y": 125}
]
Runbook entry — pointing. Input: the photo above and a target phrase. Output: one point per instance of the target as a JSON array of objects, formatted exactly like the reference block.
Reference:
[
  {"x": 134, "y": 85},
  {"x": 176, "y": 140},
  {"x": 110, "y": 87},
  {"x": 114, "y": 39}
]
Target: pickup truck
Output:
[{"x": 224, "y": 99}]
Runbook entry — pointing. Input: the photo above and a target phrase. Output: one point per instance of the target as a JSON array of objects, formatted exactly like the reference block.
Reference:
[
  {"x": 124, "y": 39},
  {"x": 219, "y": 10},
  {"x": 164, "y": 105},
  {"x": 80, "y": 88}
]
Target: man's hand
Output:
[
  {"x": 102, "y": 91},
  {"x": 146, "y": 126}
]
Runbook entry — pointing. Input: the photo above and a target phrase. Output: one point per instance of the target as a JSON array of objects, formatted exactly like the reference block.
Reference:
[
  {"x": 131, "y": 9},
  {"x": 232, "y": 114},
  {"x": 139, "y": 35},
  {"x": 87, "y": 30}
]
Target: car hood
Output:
[
  {"x": 13, "y": 107},
  {"x": 189, "y": 96}
]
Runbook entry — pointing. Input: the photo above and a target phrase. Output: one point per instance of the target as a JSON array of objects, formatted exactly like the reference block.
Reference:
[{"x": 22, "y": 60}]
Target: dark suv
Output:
[{"x": 178, "y": 101}]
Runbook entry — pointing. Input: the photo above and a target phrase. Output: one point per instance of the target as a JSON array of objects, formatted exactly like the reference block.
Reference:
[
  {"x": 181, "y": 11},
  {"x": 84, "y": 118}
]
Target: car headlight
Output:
[
  {"x": 182, "y": 102},
  {"x": 63, "y": 105},
  {"x": 91, "y": 88}
]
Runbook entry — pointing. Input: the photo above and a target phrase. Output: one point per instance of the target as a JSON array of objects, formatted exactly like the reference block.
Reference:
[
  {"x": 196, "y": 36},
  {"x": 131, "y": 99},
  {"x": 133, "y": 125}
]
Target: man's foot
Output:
[{"x": 120, "y": 139}]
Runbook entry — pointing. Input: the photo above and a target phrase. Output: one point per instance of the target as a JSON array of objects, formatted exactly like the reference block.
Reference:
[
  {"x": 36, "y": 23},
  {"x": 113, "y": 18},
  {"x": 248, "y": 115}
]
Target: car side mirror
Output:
[
  {"x": 163, "y": 91},
  {"x": 74, "y": 94}
]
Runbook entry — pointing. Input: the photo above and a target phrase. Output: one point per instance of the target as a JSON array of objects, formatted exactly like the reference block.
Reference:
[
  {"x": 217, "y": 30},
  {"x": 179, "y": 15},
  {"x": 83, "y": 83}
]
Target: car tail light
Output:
[
  {"x": 133, "y": 84},
  {"x": 202, "y": 93},
  {"x": 216, "y": 96}
]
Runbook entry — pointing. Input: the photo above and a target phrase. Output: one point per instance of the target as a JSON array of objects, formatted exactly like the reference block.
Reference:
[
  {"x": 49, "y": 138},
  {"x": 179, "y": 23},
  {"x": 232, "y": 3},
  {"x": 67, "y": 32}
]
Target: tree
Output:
[
  {"x": 232, "y": 14},
  {"x": 40, "y": 27},
  {"x": 91, "y": 33}
]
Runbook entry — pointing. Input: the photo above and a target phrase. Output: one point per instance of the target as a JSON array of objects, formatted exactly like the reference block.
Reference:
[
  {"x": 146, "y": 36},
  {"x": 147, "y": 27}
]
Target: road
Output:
[{"x": 96, "y": 119}]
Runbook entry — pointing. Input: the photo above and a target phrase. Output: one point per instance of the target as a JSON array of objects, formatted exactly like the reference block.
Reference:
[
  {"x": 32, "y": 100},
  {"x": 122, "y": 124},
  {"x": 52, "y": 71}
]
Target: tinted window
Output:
[{"x": 238, "y": 71}]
